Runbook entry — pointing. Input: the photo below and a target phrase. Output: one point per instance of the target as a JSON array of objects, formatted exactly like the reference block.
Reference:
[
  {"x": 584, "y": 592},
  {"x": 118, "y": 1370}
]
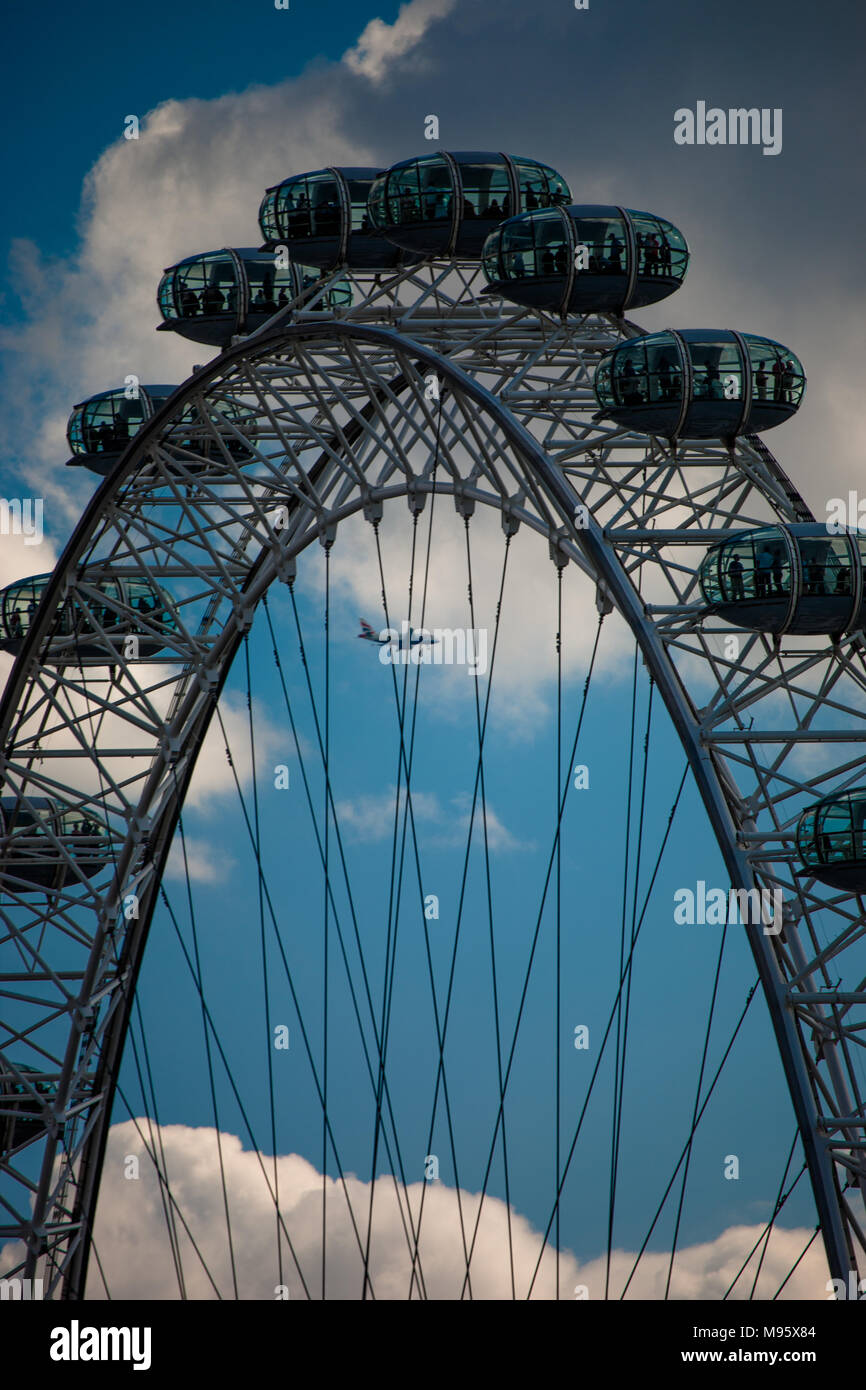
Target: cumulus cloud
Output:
[
  {"x": 130, "y": 1236},
  {"x": 213, "y": 774},
  {"x": 193, "y": 181},
  {"x": 380, "y": 43},
  {"x": 204, "y": 862},
  {"x": 371, "y": 817}
]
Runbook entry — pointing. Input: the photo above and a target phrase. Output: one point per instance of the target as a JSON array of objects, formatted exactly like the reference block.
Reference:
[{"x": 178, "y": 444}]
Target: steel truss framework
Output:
[{"x": 342, "y": 420}]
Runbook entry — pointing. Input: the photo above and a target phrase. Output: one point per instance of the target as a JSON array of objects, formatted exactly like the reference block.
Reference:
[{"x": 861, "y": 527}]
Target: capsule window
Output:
[
  {"x": 436, "y": 192},
  {"x": 358, "y": 191},
  {"x": 661, "y": 248},
  {"x": 268, "y": 215},
  {"x": 201, "y": 288},
  {"x": 557, "y": 189},
  {"x": 755, "y": 568},
  {"x": 605, "y": 243},
  {"x": 108, "y": 424},
  {"x": 664, "y": 372},
  {"x": 536, "y": 247},
  {"x": 647, "y": 372},
  {"x": 324, "y": 195},
  {"x": 777, "y": 375},
  {"x": 717, "y": 371},
  {"x": 838, "y": 833},
  {"x": 540, "y": 186},
  {"x": 293, "y": 217},
  {"x": 826, "y": 565},
  {"x": 404, "y": 195},
  {"x": 271, "y": 287},
  {"x": 486, "y": 191},
  {"x": 533, "y": 185}
]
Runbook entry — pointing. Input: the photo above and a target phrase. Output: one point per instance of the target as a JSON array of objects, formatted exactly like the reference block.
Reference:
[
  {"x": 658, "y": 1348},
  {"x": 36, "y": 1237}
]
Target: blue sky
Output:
[
  {"x": 95, "y": 66},
  {"x": 232, "y": 97}
]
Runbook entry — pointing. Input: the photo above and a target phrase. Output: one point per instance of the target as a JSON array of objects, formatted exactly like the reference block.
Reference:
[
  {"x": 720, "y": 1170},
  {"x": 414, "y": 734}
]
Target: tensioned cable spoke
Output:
[
  {"x": 150, "y": 1106},
  {"x": 269, "y": 1041},
  {"x": 235, "y": 1091},
  {"x": 489, "y": 888},
  {"x": 336, "y": 916},
  {"x": 764, "y": 1237},
  {"x": 392, "y": 923},
  {"x": 616, "y": 1108},
  {"x": 410, "y": 812},
  {"x": 557, "y": 1031},
  {"x": 810, "y": 1242},
  {"x": 538, "y": 921},
  {"x": 291, "y": 984},
  {"x": 700, "y": 1082},
  {"x": 465, "y": 870},
  {"x": 164, "y": 1185},
  {"x": 630, "y": 972},
  {"x": 211, "y": 1079},
  {"x": 326, "y": 927},
  {"x": 610, "y": 1020},
  {"x": 750, "y": 996}
]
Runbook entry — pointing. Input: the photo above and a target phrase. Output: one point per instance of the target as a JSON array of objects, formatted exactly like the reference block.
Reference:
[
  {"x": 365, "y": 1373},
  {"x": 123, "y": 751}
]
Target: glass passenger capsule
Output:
[
  {"x": 585, "y": 258},
  {"x": 323, "y": 219},
  {"x": 796, "y": 578},
  {"x": 29, "y": 834},
  {"x": 126, "y": 606},
  {"x": 448, "y": 204},
  {"x": 100, "y": 428},
  {"x": 20, "y": 1119},
  {"x": 212, "y": 297},
  {"x": 699, "y": 384},
  {"x": 831, "y": 840}
]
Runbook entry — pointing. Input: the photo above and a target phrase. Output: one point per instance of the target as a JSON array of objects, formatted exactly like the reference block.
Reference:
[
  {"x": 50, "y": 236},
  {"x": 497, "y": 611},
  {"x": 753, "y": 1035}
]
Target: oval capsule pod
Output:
[
  {"x": 95, "y": 627},
  {"x": 587, "y": 258},
  {"x": 699, "y": 384},
  {"x": 44, "y": 845},
  {"x": 831, "y": 840},
  {"x": 217, "y": 295},
  {"x": 22, "y": 1093},
  {"x": 324, "y": 221},
  {"x": 447, "y": 204},
  {"x": 788, "y": 579},
  {"x": 100, "y": 428}
]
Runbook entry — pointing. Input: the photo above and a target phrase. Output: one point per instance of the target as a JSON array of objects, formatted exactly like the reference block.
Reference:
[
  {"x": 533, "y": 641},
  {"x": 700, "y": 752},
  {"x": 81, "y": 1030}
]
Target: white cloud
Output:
[
  {"x": 205, "y": 862},
  {"x": 192, "y": 182},
  {"x": 525, "y": 662},
  {"x": 371, "y": 817},
  {"x": 213, "y": 775},
  {"x": 133, "y": 1249},
  {"x": 380, "y": 43}
]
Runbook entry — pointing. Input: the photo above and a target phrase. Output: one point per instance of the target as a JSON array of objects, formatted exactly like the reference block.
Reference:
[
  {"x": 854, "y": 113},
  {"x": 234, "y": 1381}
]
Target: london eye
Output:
[{"x": 426, "y": 1014}]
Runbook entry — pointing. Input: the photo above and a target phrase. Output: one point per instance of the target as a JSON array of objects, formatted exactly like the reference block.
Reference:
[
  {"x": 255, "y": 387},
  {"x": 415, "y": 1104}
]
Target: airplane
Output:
[{"x": 390, "y": 637}]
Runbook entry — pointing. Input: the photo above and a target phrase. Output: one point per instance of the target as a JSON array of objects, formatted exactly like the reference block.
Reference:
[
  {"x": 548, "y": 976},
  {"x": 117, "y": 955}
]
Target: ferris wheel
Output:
[{"x": 428, "y": 398}]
